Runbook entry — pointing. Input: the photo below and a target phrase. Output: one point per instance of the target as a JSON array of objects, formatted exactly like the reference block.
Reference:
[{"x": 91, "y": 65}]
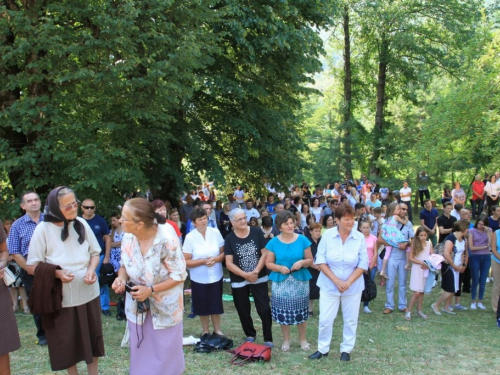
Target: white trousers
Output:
[{"x": 328, "y": 308}]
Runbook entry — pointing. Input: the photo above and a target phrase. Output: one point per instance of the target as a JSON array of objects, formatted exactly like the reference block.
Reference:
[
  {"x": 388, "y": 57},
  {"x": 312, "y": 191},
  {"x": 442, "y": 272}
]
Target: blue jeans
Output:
[
  {"x": 479, "y": 268},
  {"x": 396, "y": 267},
  {"x": 103, "y": 289},
  {"x": 373, "y": 271}
]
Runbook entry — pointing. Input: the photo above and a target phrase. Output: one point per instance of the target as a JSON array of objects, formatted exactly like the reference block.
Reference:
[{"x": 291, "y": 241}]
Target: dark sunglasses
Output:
[{"x": 89, "y": 207}]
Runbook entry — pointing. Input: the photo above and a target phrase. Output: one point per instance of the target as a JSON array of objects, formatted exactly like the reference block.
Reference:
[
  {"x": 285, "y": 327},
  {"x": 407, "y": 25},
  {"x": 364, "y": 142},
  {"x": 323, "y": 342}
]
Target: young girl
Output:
[
  {"x": 391, "y": 233},
  {"x": 371, "y": 249},
  {"x": 421, "y": 248}
]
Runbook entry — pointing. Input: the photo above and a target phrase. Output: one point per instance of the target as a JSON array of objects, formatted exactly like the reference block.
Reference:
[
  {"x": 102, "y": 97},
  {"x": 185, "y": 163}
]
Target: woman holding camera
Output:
[{"x": 153, "y": 270}]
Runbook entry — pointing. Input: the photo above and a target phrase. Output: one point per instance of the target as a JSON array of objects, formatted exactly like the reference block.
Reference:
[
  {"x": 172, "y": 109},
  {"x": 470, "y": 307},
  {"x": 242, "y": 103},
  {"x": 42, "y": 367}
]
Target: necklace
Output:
[{"x": 282, "y": 239}]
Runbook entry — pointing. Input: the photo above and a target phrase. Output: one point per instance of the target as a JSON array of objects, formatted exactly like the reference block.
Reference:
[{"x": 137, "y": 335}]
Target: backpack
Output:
[{"x": 439, "y": 248}]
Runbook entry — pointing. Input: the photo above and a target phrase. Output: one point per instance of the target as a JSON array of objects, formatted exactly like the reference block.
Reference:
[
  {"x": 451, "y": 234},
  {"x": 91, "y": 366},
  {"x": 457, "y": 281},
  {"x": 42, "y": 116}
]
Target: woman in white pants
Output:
[{"x": 342, "y": 258}]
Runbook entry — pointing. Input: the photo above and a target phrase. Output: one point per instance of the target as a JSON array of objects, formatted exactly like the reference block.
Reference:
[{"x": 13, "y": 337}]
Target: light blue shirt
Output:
[{"x": 342, "y": 259}]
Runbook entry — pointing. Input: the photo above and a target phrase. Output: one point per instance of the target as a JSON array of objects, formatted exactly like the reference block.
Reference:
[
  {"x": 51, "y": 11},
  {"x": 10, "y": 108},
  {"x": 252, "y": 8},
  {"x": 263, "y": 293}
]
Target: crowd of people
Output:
[{"x": 307, "y": 247}]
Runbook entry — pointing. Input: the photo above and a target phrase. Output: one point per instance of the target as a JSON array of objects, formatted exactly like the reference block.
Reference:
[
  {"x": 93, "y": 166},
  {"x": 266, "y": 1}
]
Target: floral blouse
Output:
[{"x": 164, "y": 260}]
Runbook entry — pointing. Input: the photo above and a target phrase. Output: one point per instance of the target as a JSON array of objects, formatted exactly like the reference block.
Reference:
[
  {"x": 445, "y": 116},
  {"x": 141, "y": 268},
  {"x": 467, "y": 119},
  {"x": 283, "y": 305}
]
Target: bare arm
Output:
[
  {"x": 472, "y": 247},
  {"x": 107, "y": 246}
]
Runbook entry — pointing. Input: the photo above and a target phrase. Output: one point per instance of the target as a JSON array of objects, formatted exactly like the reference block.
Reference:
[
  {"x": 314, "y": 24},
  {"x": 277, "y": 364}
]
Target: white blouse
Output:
[
  {"x": 202, "y": 248},
  {"x": 46, "y": 246}
]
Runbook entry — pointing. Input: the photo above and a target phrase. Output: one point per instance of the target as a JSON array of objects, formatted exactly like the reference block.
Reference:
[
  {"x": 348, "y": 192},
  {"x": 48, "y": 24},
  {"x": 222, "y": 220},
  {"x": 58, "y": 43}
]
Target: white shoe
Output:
[
  {"x": 434, "y": 284},
  {"x": 488, "y": 279},
  {"x": 481, "y": 306},
  {"x": 367, "y": 310},
  {"x": 473, "y": 306}
]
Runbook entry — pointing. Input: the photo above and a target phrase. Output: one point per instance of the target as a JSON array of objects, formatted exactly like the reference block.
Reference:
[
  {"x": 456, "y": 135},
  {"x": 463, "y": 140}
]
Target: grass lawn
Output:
[{"x": 467, "y": 343}]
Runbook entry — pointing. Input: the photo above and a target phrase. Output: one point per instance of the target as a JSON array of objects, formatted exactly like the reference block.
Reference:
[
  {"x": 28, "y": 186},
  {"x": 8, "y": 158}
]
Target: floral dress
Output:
[{"x": 116, "y": 252}]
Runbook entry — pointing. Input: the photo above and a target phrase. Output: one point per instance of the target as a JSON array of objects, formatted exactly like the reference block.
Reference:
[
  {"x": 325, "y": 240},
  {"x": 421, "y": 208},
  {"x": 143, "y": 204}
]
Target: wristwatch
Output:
[{"x": 152, "y": 290}]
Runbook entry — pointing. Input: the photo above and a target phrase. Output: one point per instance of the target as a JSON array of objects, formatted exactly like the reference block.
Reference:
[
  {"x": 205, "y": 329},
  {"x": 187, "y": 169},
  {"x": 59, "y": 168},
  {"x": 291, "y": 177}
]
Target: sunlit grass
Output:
[{"x": 467, "y": 343}]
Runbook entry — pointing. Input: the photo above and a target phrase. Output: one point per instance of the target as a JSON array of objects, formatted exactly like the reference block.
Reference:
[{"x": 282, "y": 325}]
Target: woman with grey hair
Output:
[
  {"x": 289, "y": 255},
  {"x": 245, "y": 259}
]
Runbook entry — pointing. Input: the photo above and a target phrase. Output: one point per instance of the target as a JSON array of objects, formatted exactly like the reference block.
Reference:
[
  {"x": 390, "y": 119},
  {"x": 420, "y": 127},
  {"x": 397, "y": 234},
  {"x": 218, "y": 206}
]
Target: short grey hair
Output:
[{"x": 234, "y": 212}]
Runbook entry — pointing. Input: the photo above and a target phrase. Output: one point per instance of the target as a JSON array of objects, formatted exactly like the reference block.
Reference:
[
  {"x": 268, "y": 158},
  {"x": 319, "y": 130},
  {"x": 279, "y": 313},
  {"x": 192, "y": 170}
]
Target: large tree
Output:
[
  {"x": 408, "y": 41},
  {"x": 112, "y": 96}
]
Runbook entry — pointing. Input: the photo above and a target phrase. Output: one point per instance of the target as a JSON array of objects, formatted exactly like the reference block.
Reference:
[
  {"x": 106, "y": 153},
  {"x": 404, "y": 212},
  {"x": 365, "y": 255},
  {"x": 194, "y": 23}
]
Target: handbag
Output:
[
  {"x": 250, "y": 352},
  {"x": 370, "y": 291},
  {"x": 8, "y": 277},
  {"x": 213, "y": 343}
]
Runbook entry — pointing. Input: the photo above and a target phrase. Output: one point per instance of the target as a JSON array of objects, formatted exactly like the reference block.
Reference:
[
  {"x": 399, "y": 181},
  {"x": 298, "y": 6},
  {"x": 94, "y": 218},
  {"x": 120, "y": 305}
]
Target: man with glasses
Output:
[
  {"x": 330, "y": 209},
  {"x": 18, "y": 242},
  {"x": 396, "y": 264},
  {"x": 245, "y": 260},
  {"x": 101, "y": 231}
]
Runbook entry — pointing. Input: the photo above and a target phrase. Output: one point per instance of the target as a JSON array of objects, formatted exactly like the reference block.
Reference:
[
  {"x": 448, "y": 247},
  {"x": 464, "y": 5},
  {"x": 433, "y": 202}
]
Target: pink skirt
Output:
[{"x": 160, "y": 351}]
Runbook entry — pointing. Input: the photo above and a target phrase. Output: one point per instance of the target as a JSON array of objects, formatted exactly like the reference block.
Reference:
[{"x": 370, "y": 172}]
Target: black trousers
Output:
[
  {"x": 241, "y": 298},
  {"x": 464, "y": 282},
  {"x": 490, "y": 202},
  {"x": 28, "y": 284},
  {"x": 421, "y": 195}
]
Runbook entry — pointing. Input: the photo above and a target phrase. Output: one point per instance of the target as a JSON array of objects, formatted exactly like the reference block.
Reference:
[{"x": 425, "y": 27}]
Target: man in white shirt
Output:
[
  {"x": 250, "y": 210},
  {"x": 405, "y": 195},
  {"x": 456, "y": 210}
]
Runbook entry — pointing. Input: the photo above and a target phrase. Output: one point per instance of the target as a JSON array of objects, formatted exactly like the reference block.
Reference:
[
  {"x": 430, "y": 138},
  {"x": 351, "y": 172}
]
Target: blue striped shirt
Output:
[{"x": 20, "y": 235}]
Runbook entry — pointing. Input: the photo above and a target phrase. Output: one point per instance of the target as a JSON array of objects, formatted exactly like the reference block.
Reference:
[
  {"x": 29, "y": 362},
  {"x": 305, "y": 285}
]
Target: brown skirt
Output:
[
  {"x": 8, "y": 326},
  {"x": 76, "y": 336}
]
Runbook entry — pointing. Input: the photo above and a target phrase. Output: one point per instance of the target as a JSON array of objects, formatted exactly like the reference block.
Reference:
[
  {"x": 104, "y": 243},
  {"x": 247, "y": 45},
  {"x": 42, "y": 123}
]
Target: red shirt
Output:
[
  {"x": 176, "y": 227},
  {"x": 477, "y": 186}
]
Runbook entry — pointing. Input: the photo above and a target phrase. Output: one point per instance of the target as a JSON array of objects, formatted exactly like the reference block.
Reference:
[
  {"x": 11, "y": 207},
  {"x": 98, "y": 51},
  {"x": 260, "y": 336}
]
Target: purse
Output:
[
  {"x": 250, "y": 352},
  {"x": 213, "y": 343},
  {"x": 8, "y": 277}
]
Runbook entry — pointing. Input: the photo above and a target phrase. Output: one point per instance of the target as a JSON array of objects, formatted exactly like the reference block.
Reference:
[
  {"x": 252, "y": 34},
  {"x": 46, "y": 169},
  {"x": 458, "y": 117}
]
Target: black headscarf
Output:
[{"x": 53, "y": 214}]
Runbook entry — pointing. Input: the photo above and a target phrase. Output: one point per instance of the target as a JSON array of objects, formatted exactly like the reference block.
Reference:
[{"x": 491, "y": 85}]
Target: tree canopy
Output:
[{"x": 114, "y": 96}]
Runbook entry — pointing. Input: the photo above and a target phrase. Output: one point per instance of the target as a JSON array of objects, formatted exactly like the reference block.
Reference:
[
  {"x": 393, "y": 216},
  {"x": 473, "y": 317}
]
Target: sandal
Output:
[
  {"x": 219, "y": 334},
  {"x": 305, "y": 345},
  {"x": 285, "y": 346},
  {"x": 422, "y": 315},
  {"x": 408, "y": 315}
]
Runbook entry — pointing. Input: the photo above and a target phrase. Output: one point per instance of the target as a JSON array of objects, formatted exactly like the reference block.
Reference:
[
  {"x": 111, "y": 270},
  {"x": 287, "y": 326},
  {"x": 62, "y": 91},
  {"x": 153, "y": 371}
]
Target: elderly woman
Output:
[
  {"x": 204, "y": 252},
  {"x": 454, "y": 264},
  {"x": 153, "y": 267},
  {"x": 8, "y": 327},
  {"x": 63, "y": 246},
  {"x": 245, "y": 260},
  {"x": 342, "y": 259},
  {"x": 288, "y": 257}
]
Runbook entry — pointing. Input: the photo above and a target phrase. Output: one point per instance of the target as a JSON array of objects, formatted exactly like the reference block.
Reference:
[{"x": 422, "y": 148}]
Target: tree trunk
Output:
[
  {"x": 378, "y": 130},
  {"x": 347, "y": 120}
]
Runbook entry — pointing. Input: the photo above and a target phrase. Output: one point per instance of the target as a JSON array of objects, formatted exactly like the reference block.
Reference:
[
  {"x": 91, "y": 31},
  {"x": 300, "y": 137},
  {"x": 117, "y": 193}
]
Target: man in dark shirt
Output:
[
  {"x": 428, "y": 219},
  {"x": 246, "y": 264},
  {"x": 445, "y": 222},
  {"x": 101, "y": 231}
]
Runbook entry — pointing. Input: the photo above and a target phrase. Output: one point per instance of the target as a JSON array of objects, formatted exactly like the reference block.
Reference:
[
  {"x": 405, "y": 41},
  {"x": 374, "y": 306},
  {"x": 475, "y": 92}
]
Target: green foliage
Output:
[{"x": 110, "y": 97}]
